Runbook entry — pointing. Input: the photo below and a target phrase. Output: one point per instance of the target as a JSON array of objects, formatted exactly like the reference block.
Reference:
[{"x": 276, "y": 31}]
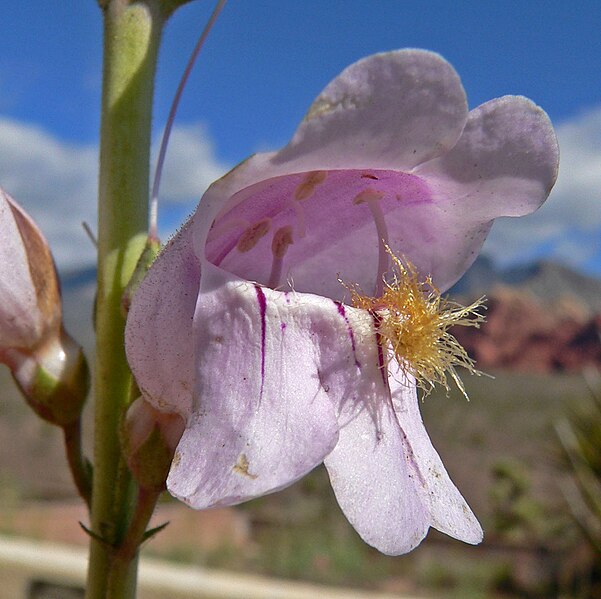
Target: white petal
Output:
[
  {"x": 448, "y": 510},
  {"x": 262, "y": 418},
  {"x": 390, "y": 111},
  {"x": 372, "y": 474},
  {"x": 158, "y": 335}
]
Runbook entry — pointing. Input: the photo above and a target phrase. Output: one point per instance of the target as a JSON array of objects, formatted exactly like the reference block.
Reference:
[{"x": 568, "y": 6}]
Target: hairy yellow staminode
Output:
[{"x": 413, "y": 321}]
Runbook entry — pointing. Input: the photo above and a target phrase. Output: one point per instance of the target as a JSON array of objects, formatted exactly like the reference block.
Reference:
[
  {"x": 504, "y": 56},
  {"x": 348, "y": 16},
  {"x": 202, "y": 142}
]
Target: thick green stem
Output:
[{"x": 132, "y": 33}]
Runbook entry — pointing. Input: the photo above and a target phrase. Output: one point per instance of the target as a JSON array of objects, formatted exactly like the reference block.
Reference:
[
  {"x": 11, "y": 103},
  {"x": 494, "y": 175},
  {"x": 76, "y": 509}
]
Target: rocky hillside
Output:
[
  {"x": 548, "y": 282},
  {"x": 541, "y": 318},
  {"x": 522, "y": 333}
]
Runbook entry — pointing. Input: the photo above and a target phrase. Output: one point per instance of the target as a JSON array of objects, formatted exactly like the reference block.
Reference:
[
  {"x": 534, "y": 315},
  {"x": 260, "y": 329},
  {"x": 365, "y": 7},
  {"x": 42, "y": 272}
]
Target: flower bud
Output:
[
  {"x": 29, "y": 295},
  {"x": 48, "y": 366},
  {"x": 54, "y": 379},
  {"x": 149, "y": 440}
]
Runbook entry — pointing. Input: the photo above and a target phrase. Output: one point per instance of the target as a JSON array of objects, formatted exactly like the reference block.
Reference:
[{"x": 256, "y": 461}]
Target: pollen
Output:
[{"x": 413, "y": 322}]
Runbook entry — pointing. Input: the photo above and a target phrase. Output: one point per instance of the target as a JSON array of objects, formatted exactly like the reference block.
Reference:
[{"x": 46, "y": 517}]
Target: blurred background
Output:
[{"x": 525, "y": 451}]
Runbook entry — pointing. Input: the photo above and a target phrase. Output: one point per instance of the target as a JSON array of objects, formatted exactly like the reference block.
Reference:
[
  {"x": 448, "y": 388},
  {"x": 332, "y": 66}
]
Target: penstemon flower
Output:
[{"x": 292, "y": 318}]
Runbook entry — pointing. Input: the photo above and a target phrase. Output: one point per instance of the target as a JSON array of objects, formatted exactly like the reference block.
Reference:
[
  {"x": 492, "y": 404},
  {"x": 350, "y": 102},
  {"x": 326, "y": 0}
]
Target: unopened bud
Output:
[
  {"x": 29, "y": 294},
  {"x": 149, "y": 440},
  {"x": 46, "y": 363}
]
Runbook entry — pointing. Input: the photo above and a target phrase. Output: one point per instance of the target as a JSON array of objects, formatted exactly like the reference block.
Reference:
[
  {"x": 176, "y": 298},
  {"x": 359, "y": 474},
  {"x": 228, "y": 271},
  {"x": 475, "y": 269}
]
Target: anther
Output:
[
  {"x": 366, "y": 195},
  {"x": 249, "y": 239},
  {"x": 282, "y": 238},
  {"x": 307, "y": 188}
]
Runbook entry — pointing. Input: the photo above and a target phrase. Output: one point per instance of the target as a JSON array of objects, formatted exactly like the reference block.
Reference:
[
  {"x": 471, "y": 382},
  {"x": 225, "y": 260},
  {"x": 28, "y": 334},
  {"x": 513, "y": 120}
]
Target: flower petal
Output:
[
  {"x": 505, "y": 162},
  {"x": 370, "y": 470},
  {"x": 390, "y": 111},
  {"x": 158, "y": 335},
  {"x": 448, "y": 510},
  {"x": 262, "y": 418},
  {"x": 437, "y": 216},
  {"x": 333, "y": 228}
]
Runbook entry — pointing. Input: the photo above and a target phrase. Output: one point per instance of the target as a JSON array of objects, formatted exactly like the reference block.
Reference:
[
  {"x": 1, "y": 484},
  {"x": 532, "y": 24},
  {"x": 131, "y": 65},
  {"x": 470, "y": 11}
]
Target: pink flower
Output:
[{"x": 272, "y": 371}]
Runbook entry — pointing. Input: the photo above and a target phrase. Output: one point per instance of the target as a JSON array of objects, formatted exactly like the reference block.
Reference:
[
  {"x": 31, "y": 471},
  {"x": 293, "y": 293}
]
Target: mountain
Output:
[
  {"x": 542, "y": 317},
  {"x": 78, "y": 289},
  {"x": 549, "y": 282}
]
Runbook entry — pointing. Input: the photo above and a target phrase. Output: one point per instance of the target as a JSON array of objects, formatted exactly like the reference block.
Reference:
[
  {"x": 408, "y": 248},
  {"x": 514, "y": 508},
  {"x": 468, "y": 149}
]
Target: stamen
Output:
[
  {"x": 413, "y": 322},
  {"x": 249, "y": 239},
  {"x": 282, "y": 238},
  {"x": 301, "y": 221},
  {"x": 307, "y": 188},
  {"x": 372, "y": 198}
]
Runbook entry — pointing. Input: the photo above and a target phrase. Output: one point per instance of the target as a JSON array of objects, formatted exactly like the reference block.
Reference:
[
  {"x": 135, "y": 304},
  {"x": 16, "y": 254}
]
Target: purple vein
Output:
[
  {"x": 263, "y": 310},
  {"x": 381, "y": 362},
  {"x": 342, "y": 312}
]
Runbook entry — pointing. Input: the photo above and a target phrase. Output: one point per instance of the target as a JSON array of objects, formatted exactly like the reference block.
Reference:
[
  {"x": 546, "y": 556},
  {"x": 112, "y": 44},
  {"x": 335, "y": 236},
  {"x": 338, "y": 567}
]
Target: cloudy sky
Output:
[{"x": 264, "y": 63}]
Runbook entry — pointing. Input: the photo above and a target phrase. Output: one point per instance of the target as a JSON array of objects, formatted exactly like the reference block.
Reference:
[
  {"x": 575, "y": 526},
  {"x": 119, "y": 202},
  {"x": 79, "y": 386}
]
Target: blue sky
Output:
[{"x": 263, "y": 64}]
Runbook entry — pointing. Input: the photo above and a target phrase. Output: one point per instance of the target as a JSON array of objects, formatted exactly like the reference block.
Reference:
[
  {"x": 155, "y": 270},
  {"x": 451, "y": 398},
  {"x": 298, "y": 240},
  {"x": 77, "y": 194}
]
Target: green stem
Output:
[
  {"x": 147, "y": 500},
  {"x": 132, "y": 32},
  {"x": 77, "y": 463}
]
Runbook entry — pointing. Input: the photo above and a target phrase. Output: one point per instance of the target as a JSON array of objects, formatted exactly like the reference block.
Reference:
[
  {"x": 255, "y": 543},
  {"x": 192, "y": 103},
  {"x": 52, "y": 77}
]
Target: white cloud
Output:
[
  {"x": 190, "y": 165},
  {"x": 56, "y": 181},
  {"x": 569, "y": 223}
]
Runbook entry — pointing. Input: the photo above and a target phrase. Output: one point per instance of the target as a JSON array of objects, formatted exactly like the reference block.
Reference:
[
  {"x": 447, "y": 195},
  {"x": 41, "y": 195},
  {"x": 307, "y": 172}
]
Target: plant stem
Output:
[
  {"x": 146, "y": 502},
  {"x": 132, "y": 33},
  {"x": 77, "y": 463},
  {"x": 119, "y": 580}
]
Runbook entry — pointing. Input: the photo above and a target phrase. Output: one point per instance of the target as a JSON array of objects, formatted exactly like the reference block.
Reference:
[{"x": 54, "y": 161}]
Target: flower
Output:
[
  {"x": 46, "y": 363},
  {"x": 241, "y": 325}
]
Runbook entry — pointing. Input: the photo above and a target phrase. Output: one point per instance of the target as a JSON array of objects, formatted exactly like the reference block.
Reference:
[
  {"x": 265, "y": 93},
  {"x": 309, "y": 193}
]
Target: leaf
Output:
[{"x": 153, "y": 531}]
